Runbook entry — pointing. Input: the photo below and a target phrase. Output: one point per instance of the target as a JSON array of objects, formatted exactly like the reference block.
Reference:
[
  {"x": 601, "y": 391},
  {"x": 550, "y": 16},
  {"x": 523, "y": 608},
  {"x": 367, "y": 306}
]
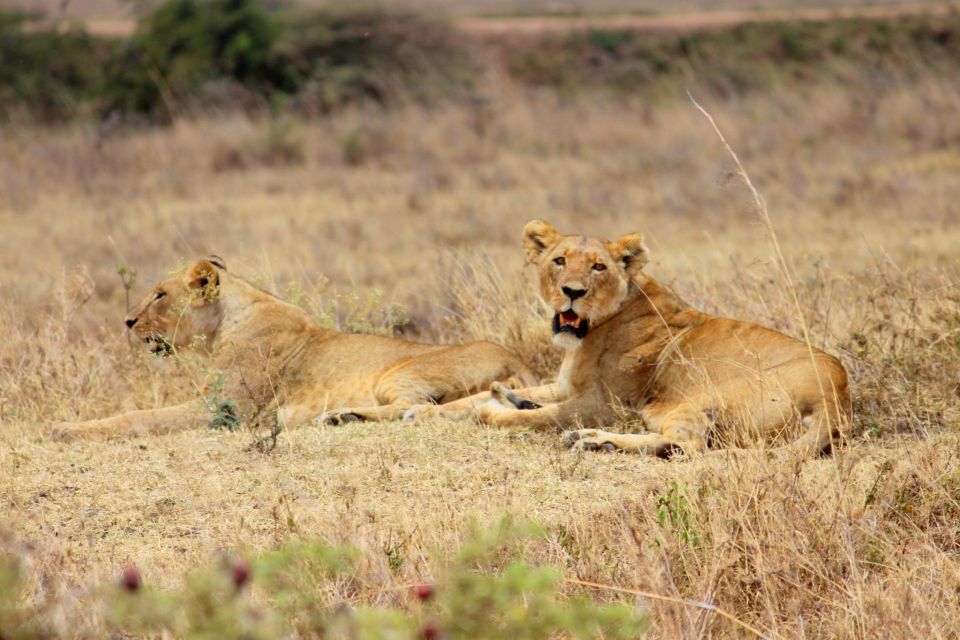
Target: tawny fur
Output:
[
  {"x": 688, "y": 378},
  {"x": 272, "y": 355}
]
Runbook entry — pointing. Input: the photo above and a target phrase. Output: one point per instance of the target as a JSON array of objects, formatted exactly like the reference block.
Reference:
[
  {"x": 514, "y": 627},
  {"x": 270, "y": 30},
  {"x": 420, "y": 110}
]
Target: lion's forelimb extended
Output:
[{"x": 188, "y": 415}]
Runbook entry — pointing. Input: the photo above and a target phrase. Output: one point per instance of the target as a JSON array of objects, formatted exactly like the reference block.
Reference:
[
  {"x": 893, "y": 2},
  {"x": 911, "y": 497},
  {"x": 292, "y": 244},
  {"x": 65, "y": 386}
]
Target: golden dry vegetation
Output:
[{"x": 407, "y": 221}]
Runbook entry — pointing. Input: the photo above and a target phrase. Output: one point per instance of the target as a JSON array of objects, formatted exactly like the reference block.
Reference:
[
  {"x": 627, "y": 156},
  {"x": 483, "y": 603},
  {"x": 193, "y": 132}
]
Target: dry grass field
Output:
[{"x": 407, "y": 222}]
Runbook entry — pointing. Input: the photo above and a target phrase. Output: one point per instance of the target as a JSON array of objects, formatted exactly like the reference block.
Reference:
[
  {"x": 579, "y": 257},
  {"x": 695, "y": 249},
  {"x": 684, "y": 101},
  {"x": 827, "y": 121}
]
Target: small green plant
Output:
[
  {"x": 489, "y": 591},
  {"x": 873, "y": 493},
  {"x": 674, "y": 512},
  {"x": 873, "y": 554},
  {"x": 224, "y": 411},
  {"x": 128, "y": 277},
  {"x": 354, "y": 148}
]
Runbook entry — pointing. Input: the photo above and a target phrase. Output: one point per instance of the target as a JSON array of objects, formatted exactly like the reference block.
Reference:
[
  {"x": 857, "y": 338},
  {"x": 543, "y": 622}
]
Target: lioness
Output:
[
  {"x": 272, "y": 354},
  {"x": 632, "y": 346}
]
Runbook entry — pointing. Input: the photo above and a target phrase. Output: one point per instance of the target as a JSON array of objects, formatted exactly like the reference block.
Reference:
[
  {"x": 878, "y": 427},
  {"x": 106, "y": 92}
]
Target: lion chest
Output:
[{"x": 626, "y": 369}]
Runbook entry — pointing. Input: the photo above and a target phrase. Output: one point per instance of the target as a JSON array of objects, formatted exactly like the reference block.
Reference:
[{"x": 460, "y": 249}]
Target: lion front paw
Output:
[
  {"x": 503, "y": 394},
  {"x": 69, "y": 431},
  {"x": 62, "y": 432},
  {"x": 588, "y": 440}
]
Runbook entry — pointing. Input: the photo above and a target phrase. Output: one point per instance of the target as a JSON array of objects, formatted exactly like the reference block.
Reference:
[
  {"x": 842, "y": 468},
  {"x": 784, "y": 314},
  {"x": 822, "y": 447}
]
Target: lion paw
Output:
[
  {"x": 588, "y": 440},
  {"x": 504, "y": 395},
  {"x": 487, "y": 412},
  {"x": 419, "y": 411},
  {"x": 337, "y": 418},
  {"x": 62, "y": 432}
]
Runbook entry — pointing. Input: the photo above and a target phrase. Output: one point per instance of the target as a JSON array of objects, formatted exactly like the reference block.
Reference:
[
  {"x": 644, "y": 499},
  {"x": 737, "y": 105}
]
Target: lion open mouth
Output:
[{"x": 570, "y": 322}]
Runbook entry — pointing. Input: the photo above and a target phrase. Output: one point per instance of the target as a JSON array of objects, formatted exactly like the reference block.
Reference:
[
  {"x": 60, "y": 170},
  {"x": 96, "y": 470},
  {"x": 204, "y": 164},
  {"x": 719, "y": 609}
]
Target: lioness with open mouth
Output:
[
  {"x": 271, "y": 355},
  {"x": 633, "y": 347}
]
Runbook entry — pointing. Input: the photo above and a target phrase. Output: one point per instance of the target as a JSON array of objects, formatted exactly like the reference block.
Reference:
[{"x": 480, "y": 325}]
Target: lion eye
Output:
[
  {"x": 560, "y": 261},
  {"x": 599, "y": 267},
  {"x": 160, "y": 294}
]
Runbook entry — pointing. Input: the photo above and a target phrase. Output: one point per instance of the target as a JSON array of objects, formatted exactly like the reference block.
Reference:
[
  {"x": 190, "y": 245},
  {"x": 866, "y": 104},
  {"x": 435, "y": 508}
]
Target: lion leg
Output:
[
  {"x": 823, "y": 427},
  {"x": 147, "y": 421},
  {"x": 574, "y": 409},
  {"x": 598, "y": 440},
  {"x": 376, "y": 413},
  {"x": 424, "y": 387},
  {"x": 679, "y": 429},
  {"x": 528, "y": 398}
]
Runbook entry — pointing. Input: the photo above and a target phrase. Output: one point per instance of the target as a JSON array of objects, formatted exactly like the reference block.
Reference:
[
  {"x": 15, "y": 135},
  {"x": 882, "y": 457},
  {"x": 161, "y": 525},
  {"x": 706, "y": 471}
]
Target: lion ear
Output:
[
  {"x": 630, "y": 252},
  {"x": 204, "y": 279},
  {"x": 217, "y": 261},
  {"x": 538, "y": 236}
]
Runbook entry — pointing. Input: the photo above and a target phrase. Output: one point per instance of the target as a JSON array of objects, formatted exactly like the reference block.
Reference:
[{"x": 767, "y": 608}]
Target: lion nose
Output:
[
  {"x": 130, "y": 322},
  {"x": 572, "y": 293}
]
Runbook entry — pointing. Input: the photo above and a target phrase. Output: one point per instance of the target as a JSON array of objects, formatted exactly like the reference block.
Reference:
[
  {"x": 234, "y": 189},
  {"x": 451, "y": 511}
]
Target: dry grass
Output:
[{"x": 861, "y": 183}]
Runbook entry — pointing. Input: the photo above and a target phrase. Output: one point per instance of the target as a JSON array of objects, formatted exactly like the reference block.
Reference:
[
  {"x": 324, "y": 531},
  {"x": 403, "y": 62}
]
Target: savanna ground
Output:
[{"x": 406, "y": 221}]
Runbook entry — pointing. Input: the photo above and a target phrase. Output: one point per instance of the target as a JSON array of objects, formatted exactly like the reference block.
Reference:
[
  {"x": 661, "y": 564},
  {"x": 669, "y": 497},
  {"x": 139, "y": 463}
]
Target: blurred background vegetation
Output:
[{"x": 190, "y": 55}]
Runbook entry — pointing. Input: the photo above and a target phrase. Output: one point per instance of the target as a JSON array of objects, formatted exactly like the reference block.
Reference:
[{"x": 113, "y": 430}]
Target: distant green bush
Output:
[
  {"x": 52, "y": 74},
  {"x": 241, "y": 54},
  {"x": 216, "y": 53},
  {"x": 739, "y": 58},
  {"x": 184, "y": 45},
  {"x": 336, "y": 56}
]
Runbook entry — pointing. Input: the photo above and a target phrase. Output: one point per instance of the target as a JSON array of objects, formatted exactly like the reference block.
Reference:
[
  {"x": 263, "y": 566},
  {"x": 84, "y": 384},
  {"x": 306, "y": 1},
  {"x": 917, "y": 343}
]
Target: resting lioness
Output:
[
  {"x": 270, "y": 353},
  {"x": 634, "y": 348}
]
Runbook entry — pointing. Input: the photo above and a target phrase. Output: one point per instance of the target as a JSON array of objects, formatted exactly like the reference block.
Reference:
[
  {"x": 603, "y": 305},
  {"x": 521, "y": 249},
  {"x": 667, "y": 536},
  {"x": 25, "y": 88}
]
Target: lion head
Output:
[
  {"x": 182, "y": 311},
  {"x": 583, "y": 280}
]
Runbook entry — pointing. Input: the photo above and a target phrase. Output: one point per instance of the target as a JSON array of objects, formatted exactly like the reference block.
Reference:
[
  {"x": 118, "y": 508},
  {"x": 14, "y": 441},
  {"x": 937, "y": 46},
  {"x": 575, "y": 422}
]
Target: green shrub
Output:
[
  {"x": 238, "y": 54},
  {"x": 336, "y": 56},
  {"x": 184, "y": 45},
  {"x": 487, "y": 591},
  {"x": 203, "y": 53},
  {"x": 736, "y": 59},
  {"x": 48, "y": 73},
  {"x": 187, "y": 50}
]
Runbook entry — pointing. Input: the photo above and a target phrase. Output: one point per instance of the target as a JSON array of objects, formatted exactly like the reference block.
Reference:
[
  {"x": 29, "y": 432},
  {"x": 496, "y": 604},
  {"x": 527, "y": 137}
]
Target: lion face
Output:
[
  {"x": 182, "y": 311},
  {"x": 584, "y": 280}
]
